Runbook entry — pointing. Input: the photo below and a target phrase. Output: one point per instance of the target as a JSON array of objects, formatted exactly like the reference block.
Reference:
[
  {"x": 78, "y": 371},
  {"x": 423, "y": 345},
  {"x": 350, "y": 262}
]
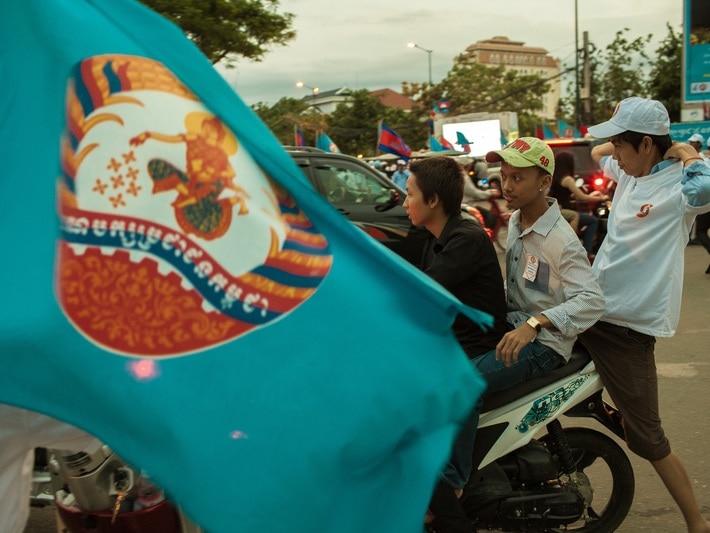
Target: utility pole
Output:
[
  {"x": 587, "y": 81},
  {"x": 576, "y": 65}
]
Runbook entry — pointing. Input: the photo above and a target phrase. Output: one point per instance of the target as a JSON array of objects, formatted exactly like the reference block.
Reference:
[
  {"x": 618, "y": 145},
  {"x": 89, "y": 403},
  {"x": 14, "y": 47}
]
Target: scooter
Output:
[
  {"x": 533, "y": 474},
  {"x": 99, "y": 492}
]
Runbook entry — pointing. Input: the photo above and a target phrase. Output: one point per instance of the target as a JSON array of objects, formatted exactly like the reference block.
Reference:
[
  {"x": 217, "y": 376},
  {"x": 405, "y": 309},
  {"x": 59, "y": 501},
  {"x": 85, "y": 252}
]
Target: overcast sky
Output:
[{"x": 361, "y": 44}]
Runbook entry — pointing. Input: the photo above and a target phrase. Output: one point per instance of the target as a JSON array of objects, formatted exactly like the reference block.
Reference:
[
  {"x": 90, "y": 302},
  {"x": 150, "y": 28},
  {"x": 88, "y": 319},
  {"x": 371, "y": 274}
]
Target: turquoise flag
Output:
[
  {"x": 326, "y": 144},
  {"x": 566, "y": 130},
  {"x": 435, "y": 145},
  {"x": 174, "y": 285}
]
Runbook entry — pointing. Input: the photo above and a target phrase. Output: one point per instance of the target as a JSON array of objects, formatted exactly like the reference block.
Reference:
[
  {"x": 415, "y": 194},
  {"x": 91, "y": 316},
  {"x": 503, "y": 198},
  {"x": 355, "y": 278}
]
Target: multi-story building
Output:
[{"x": 524, "y": 59}]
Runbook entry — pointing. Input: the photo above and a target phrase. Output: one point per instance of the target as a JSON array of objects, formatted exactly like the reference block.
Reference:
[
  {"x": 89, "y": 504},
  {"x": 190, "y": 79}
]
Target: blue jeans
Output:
[
  {"x": 534, "y": 360},
  {"x": 589, "y": 224}
]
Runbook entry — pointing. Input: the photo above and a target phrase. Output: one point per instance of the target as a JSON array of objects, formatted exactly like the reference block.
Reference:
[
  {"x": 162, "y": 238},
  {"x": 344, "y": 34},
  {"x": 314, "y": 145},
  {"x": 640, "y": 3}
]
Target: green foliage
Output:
[
  {"x": 227, "y": 29},
  {"x": 665, "y": 78},
  {"x": 282, "y": 117},
  {"x": 353, "y": 124},
  {"x": 619, "y": 72},
  {"x": 472, "y": 87}
]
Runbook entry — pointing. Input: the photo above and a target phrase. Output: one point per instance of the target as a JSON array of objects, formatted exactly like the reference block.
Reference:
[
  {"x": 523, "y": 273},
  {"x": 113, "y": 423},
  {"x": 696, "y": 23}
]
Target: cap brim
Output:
[
  {"x": 605, "y": 130},
  {"x": 512, "y": 157}
]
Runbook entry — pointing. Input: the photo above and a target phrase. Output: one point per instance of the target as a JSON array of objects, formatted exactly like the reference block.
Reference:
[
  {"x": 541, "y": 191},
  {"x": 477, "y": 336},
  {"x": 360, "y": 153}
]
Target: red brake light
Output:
[{"x": 599, "y": 182}]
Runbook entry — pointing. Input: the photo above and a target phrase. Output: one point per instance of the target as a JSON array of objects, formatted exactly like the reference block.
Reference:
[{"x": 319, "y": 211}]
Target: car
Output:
[
  {"x": 585, "y": 167},
  {"x": 368, "y": 198}
]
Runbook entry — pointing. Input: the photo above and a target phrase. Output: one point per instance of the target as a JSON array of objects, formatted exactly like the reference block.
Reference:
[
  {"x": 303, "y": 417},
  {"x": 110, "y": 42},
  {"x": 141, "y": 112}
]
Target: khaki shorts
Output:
[
  {"x": 625, "y": 361},
  {"x": 568, "y": 214}
]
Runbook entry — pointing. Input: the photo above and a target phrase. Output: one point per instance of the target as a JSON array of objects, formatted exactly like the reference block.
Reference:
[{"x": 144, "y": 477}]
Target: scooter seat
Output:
[{"x": 577, "y": 361}]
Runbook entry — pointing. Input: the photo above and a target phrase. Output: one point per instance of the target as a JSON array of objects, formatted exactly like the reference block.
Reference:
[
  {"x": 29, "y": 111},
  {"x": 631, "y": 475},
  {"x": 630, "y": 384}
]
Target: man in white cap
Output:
[
  {"x": 399, "y": 177},
  {"x": 696, "y": 141},
  {"x": 661, "y": 187}
]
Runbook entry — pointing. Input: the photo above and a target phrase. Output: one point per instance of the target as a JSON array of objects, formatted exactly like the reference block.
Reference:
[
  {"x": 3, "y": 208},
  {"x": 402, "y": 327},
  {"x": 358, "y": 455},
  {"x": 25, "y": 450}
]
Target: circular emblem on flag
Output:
[{"x": 173, "y": 239}]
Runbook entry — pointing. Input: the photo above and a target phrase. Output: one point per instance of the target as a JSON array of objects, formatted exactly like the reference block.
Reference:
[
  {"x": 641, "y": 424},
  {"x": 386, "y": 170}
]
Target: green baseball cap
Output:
[{"x": 525, "y": 152}]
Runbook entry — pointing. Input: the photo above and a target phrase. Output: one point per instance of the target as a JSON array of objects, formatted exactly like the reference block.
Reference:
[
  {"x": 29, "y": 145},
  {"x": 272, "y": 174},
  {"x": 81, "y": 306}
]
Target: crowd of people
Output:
[
  {"x": 555, "y": 297},
  {"x": 702, "y": 221}
]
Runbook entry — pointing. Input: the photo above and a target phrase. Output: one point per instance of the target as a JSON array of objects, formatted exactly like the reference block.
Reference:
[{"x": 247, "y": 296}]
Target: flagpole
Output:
[{"x": 379, "y": 134}]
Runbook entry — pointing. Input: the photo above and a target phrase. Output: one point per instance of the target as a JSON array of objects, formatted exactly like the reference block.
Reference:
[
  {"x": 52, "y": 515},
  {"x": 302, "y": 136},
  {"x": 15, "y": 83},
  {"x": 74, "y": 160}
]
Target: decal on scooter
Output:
[
  {"x": 544, "y": 407},
  {"x": 172, "y": 239}
]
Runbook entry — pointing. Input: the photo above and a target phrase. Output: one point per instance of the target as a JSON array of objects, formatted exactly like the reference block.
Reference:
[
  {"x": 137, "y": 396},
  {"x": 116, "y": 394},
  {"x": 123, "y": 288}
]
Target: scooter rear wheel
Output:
[{"x": 610, "y": 474}]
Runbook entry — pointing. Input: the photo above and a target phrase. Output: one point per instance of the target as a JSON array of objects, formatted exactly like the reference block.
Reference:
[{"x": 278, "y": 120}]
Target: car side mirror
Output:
[{"x": 391, "y": 200}]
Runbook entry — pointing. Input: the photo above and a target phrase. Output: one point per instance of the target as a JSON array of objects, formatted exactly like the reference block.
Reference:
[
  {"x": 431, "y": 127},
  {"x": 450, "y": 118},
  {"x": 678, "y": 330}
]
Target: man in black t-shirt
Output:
[{"x": 466, "y": 264}]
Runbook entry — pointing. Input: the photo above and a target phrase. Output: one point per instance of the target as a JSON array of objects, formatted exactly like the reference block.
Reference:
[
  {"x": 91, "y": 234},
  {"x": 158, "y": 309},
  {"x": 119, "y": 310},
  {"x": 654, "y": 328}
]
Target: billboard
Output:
[
  {"x": 482, "y": 136},
  {"x": 696, "y": 82}
]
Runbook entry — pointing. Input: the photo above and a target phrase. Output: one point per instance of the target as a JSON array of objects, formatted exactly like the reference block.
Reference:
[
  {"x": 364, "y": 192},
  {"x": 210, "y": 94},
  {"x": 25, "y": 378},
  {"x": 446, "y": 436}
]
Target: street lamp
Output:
[
  {"x": 415, "y": 45},
  {"x": 314, "y": 90}
]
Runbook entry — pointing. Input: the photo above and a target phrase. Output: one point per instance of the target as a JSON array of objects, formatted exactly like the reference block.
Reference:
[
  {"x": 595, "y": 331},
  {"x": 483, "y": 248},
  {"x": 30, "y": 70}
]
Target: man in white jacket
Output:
[{"x": 661, "y": 187}]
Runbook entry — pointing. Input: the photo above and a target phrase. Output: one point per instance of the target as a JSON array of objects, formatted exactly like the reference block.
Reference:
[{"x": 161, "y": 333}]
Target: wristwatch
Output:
[{"x": 534, "y": 323}]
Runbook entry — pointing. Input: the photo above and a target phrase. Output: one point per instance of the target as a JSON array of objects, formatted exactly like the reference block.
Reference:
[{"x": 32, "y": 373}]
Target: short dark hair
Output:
[
  {"x": 634, "y": 138},
  {"x": 564, "y": 165},
  {"x": 442, "y": 176}
]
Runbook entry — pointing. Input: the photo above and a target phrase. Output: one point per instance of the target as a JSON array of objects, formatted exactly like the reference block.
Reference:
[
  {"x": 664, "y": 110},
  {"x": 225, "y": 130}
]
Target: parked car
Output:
[{"x": 366, "y": 197}]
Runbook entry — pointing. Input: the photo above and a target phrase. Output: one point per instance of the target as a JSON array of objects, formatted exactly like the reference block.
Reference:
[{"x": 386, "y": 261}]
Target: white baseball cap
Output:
[
  {"x": 641, "y": 115},
  {"x": 696, "y": 138}
]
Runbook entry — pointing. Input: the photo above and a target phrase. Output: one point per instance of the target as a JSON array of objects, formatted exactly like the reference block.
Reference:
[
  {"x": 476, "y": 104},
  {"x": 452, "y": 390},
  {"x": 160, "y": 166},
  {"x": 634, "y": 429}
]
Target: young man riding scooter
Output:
[{"x": 552, "y": 296}]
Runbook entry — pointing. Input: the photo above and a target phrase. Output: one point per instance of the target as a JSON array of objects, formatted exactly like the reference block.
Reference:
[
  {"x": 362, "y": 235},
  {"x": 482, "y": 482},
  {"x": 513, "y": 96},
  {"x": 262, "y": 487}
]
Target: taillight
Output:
[{"x": 599, "y": 182}]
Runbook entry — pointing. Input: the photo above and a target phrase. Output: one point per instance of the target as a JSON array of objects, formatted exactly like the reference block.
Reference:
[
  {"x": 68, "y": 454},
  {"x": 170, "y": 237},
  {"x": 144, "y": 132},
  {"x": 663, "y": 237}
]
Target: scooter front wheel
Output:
[{"x": 609, "y": 472}]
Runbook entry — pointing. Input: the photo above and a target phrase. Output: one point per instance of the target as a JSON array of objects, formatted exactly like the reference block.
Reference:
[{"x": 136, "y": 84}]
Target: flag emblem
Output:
[{"x": 170, "y": 219}]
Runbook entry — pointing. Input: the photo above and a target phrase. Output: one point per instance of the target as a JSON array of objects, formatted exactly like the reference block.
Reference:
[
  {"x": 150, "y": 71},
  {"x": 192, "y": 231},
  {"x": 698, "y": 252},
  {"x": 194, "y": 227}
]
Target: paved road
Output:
[{"x": 684, "y": 369}]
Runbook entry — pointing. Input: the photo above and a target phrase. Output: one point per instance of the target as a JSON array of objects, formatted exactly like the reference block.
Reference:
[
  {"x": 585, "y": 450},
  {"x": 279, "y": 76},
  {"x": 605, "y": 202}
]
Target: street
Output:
[{"x": 684, "y": 372}]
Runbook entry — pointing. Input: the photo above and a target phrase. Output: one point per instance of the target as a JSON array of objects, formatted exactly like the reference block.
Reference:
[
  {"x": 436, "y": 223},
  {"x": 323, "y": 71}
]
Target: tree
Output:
[
  {"x": 473, "y": 87},
  {"x": 618, "y": 71},
  {"x": 664, "y": 82},
  {"x": 282, "y": 117},
  {"x": 227, "y": 29},
  {"x": 354, "y": 123}
]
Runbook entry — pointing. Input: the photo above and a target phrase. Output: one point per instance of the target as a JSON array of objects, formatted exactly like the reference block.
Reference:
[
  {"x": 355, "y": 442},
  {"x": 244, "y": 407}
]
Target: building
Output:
[
  {"x": 390, "y": 98},
  {"x": 524, "y": 59},
  {"x": 326, "y": 101}
]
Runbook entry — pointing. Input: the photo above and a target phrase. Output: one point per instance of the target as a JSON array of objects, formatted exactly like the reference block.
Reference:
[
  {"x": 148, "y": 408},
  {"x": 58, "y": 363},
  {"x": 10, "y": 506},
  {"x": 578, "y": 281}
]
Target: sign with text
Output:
[
  {"x": 681, "y": 131},
  {"x": 696, "y": 83}
]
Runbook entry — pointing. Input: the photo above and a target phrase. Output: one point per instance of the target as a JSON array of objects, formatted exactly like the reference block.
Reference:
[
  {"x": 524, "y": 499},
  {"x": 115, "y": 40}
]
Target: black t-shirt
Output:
[
  {"x": 561, "y": 193},
  {"x": 466, "y": 264}
]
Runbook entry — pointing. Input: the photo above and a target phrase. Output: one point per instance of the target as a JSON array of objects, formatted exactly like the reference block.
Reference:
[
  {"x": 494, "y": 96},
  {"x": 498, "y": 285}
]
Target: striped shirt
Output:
[{"x": 563, "y": 287}]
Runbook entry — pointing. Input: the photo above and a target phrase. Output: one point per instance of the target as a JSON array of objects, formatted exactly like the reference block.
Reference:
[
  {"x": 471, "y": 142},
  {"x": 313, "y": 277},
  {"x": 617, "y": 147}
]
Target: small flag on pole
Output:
[
  {"x": 299, "y": 139},
  {"x": 388, "y": 141}
]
